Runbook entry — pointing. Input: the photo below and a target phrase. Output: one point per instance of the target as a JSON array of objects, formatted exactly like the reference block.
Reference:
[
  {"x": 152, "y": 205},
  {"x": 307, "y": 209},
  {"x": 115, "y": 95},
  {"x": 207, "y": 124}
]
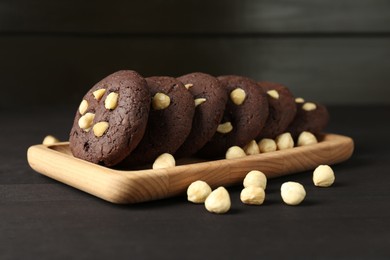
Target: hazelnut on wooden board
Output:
[
  {"x": 255, "y": 178},
  {"x": 284, "y": 141},
  {"x": 251, "y": 148},
  {"x": 252, "y": 195},
  {"x": 238, "y": 96},
  {"x": 267, "y": 145},
  {"x": 306, "y": 138},
  {"x": 323, "y": 176},
  {"x": 165, "y": 160},
  {"x": 49, "y": 140},
  {"x": 218, "y": 201},
  {"x": 160, "y": 101},
  {"x": 198, "y": 191},
  {"x": 293, "y": 193},
  {"x": 235, "y": 152}
]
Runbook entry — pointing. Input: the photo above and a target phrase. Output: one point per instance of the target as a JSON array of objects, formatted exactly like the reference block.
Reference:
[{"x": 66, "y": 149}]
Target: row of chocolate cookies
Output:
[{"x": 130, "y": 120}]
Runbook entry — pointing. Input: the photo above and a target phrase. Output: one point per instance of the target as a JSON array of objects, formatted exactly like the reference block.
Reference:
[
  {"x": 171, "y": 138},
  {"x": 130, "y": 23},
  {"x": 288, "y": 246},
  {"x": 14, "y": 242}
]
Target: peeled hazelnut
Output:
[
  {"x": 273, "y": 93},
  {"x": 323, "y": 176},
  {"x": 165, "y": 160},
  {"x": 238, "y": 96},
  {"x": 284, "y": 141},
  {"x": 49, "y": 140},
  {"x": 292, "y": 193},
  {"x": 267, "y": 145},
  {"x": 306, "y": 138},
  {"x": 299, "y": 100},
  {"x": 308, "y": 106},
  {"x": 198, "y": 191},
  {"x": 99, "y": 93},
  {"x": 83, "y": 107},
  {"x": 85, "y": 122},
  {"x": 160, "y": 101},
  {"x": 100, "y": 128},
  {"x": 252, "y": 195},
  {"x": 255, "y": 178},
  {"x": 225, "y": 128},
  {"x": 111, "y": 101},
  {"x": 188, "y": 85},
  {"x": 218, "y": 201},
  {"x": 251, "y": 148},
  {"x": 199, "y": 101},
  {"x": 235, "y": 152}
]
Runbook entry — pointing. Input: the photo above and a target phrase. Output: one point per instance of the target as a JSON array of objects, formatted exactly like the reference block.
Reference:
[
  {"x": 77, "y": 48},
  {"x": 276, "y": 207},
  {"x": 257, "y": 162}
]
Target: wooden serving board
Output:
[{"x": 122, "y": 187}]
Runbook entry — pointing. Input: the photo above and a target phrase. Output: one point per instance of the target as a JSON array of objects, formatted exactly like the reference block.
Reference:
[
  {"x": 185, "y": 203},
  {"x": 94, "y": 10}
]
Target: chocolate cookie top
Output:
[
  {"x": 210, "y": 99},
  {"x": 169, "y": 123},
  {"x": 282, "y": 109},
  {"x": 111, "y": 119},
  {"x": 244, "y": 116},
  {"x": 310, "y": 116}
]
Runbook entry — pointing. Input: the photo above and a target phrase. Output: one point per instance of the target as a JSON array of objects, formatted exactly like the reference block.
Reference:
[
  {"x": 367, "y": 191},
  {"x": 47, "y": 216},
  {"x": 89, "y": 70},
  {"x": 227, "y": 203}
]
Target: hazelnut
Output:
[
  {"x": 292, "y": 193},
  {"x": 308, "y": 106},
  {"x": 218, "y": 201},
  {"x": 267, "y": 145},
  {"x": 235, "y": 152},
  {"x": 225, "y": 128},
  {"x": 199, "y": 101},
  {"x": 273, "y": 93},
  {"x": 255, "y": 178},
  {"x": 85, "y": 122},
  {"x": 251, "y": 148},
  {"x": 188, "y": 86},
  {"x": 238, "y": 96},
  {"x": 284, "y": 141},
  {"x": 252, "y": 195},
  {"x": 299, "y": 100},
  {"x": 165, "y": 160},
  {"x": 198, "y": 191},
  {"x": 99, "y": 93},
  {"x": 83, "y": 107},
  {"x": 306, "y": 138},
  {"x": 100, "y": 128},
  {"x": 49, "y": 140},
  {"x": 111, "y": 101},
  {"x": 323, "y": 176},
  {"x": 160, "y": 101}
]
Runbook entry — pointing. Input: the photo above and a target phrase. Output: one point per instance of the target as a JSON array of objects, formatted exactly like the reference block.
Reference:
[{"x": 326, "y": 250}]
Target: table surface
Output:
[{"x": 43, "y": 219}]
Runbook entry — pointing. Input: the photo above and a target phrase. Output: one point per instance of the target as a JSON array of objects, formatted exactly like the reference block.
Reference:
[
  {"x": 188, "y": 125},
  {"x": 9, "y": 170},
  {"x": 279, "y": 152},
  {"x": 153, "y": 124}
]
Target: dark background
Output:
[{"x": 335, "y": 52}]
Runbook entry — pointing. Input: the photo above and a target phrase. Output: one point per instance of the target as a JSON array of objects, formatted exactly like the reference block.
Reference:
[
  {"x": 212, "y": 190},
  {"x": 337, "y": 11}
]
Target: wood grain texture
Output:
[
  {"x": 194, "y": 16},
  {"x": 328, "y": 70},
  {"x": 143, "y": 185}
]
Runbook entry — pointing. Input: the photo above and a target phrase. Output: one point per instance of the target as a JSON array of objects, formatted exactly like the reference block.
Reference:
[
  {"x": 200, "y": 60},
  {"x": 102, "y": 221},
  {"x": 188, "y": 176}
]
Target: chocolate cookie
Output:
[
  {"x": 311, "y": 117},
  {"x": 210, "y": 100},
  {"x": 111, "y": 119},
  {"x": 282, "y": 109},
  {"x": 169, "y": 123},
  {"x": 244, "y": 116}
]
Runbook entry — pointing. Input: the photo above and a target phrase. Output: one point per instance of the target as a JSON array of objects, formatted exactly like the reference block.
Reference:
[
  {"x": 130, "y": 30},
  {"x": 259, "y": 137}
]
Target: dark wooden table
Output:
[{"x": 44, "y": 219}]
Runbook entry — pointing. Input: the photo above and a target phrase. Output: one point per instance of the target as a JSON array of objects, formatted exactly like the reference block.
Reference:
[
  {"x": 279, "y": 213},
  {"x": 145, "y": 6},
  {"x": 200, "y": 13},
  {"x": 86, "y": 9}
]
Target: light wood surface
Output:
[{"x": 135, "y": 186}]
